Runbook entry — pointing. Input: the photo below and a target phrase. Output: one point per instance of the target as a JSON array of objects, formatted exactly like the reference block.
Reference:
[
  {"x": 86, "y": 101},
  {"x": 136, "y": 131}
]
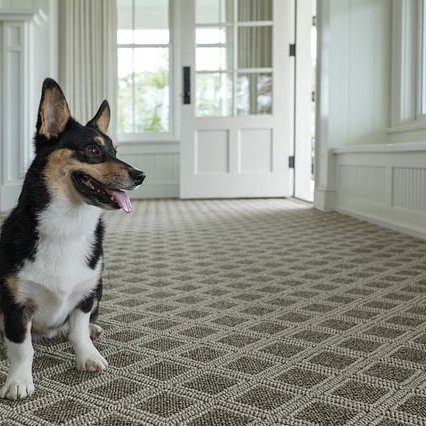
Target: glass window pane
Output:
[
  {"x": 151, "y": 59},
  {"x": 124, "y": 14},
  {"x": 254, "y": 94},
  {"x": 151, "y": 76},
  {"x": 214, "y": 11},
  {"x": 255, "y": 47},
  {"x": 125, "y": 90},
  {"x": 151, "y": 14},
  {"x": 143, "y": 72},
  {"x": 254, "y": 10},
  {"x": 213, "y": 94},
  {"x": 213, "y": 59},
  {"x": 155, "y": 36},
  {"x": 125, "y": 36}
]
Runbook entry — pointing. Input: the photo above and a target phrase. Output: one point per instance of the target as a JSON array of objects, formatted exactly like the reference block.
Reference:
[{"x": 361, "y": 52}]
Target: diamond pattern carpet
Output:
[{"x": 245, "y": 312}]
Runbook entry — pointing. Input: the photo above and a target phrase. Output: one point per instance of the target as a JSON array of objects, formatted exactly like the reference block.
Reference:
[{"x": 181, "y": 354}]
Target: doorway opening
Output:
[{"x": 305, "y": 116}]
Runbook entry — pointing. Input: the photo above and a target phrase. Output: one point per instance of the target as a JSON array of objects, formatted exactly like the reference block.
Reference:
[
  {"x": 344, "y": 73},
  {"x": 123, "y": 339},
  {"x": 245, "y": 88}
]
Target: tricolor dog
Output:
[{"x": 51, "y": 257}]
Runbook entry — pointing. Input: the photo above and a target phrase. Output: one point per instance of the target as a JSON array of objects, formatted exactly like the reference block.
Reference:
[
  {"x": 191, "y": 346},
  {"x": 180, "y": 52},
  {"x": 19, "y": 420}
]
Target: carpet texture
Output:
[{"x": 237, "y": 312}]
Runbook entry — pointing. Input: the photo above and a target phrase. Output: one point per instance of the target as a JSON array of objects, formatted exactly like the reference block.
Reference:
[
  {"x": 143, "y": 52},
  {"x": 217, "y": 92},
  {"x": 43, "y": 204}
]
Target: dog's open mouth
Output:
[{"x": 100, "y": 195}]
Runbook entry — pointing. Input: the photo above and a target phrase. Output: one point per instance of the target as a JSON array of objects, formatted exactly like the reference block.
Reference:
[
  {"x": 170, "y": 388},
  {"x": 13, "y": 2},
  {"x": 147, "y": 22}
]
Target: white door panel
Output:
[{"x": 235, "y": 141}]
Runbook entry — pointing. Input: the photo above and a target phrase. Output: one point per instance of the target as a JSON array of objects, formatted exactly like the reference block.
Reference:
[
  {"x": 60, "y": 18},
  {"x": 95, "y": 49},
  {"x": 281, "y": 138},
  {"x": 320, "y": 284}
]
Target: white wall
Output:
[
  {"x": 362, "y": 168},
  {"x": 46, "y": 51}
]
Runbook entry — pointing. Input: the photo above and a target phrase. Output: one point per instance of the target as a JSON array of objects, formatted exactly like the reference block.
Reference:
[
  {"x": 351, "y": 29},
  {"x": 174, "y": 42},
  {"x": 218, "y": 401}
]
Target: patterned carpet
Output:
[{"x": 245, "y": 312}]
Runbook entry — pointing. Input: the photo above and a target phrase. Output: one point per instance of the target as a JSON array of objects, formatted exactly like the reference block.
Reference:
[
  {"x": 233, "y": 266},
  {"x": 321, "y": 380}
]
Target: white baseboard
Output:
[
  {"x": 386, "y": 186},
  {"x": 325, "y": 199},
  {"x": 396, "y": 225}
]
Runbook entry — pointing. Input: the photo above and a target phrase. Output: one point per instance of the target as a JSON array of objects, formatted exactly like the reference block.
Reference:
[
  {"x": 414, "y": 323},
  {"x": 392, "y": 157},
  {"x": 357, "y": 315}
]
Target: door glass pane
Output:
[
  {"x": 213, "y": 94},
  {"x": 255, "y": 47},
  {"x": 254, "y": 10},
  {"x": 214, "y": 36},
  {"x": 214, "y": 49},
  {"x": 213, "y": 59},
  {"x": 151, "y": 89},
  {"x": 125, "y": 90},
  {"x": 214, "y": 11},
  {"x": 254, "y": 94}
]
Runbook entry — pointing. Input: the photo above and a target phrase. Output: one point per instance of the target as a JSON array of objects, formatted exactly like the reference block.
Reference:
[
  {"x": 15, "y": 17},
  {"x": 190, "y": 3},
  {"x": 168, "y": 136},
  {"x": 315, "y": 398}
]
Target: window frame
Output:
[
  {"x": 408, "y": 90},
  {"x": 172, "y": 134}
]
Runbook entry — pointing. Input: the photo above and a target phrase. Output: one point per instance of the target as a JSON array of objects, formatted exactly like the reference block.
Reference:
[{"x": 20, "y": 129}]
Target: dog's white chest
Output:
[{"x": 59, "y": 276}]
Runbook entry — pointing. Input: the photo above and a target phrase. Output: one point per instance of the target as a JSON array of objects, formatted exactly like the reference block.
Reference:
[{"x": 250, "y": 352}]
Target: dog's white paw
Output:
[
  {"x": 95, "y": 331},
  {"x": 92, "y": 361},
  {"x": 17, "y": 388}
]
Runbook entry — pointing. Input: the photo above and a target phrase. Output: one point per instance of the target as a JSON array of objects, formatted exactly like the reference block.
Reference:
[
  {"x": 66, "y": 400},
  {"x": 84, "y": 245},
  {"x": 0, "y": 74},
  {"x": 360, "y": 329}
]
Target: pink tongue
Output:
[{"x": 122, "y": 200}]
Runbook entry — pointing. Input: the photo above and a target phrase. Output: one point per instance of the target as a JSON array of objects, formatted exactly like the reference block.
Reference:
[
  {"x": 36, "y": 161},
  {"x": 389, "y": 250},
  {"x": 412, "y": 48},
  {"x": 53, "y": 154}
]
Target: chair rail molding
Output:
[
  {"x": 383, "y": 184},
  {"x": 18, "y": 29}
]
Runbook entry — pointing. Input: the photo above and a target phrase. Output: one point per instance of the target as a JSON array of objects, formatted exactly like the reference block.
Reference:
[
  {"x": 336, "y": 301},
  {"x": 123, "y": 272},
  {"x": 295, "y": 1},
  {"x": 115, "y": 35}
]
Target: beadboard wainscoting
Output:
[
  {"x": 159, "y": 161},
  {"x": 384, "y": 184}
]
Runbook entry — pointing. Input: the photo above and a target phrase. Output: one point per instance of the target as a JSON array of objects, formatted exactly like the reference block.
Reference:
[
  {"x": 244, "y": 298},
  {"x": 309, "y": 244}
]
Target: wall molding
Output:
[
  {"x": 390, "y": 147},
  {"x": 325, "y": 199},
  {"x": 384, "y": 185},
  {"x": 18, "y": 30}
]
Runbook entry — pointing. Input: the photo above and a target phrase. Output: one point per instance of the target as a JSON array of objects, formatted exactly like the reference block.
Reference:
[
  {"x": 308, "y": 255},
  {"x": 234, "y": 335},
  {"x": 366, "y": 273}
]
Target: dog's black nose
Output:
[{"x": 137, "y": 176}]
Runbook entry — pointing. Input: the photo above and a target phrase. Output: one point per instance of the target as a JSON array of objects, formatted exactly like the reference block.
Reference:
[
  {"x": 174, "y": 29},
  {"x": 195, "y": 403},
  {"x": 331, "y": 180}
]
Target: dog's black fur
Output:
[{"x": 67, "y": 157}]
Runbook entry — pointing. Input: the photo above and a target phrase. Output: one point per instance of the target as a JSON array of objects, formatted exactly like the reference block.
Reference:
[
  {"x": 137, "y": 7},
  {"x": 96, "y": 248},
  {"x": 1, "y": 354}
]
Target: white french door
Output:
[{"x": 237, "y": 103}]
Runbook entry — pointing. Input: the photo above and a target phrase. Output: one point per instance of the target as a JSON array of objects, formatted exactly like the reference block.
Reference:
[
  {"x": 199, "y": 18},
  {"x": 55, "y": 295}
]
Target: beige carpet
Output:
[{"x": 237, "y": 312}]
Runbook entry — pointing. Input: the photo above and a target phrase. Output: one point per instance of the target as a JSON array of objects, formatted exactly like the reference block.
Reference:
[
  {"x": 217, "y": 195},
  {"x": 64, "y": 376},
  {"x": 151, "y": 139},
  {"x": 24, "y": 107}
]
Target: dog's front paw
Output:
[
  {"x": 17, "y": 388},
  {"x": 92, "y": 361},
  {"x": 95, "y": 331}
]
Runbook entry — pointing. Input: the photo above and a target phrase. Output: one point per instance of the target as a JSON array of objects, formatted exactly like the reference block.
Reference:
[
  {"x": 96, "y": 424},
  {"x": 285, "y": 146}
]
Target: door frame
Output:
[{"x": 303, "y": 103}]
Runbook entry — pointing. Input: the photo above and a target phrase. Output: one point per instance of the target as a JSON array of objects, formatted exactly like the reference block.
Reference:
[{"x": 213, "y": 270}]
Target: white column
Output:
[
  {"x": 17, "y": 116},
  {"x": 325, "y": 169}
]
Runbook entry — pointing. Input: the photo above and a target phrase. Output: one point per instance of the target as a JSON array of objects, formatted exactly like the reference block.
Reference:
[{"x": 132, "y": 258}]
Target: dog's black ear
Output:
[
  {"x": 53, "y": 112},
  {"x": 102, "y": 118}
]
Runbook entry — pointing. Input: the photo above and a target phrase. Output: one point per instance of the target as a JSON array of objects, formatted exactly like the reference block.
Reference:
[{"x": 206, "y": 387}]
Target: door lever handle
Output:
[{"x": 186, "y": 85}]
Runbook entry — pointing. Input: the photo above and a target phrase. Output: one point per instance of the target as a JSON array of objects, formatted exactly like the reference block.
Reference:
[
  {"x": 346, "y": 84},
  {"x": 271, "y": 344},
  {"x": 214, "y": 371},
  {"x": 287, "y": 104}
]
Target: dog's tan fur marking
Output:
[
  {"x": 61, "y": 164},
  {"x": 99, "y": 140},
  {"x": 11, "y": 285},
  {"x": 54, "y": 113},
  {"x": 57, "y": 175},
  {"x": 103, "y": 121}
]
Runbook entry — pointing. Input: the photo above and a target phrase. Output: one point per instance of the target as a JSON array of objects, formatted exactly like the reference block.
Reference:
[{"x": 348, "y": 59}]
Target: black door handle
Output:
[{"x": 186, "y": 85}]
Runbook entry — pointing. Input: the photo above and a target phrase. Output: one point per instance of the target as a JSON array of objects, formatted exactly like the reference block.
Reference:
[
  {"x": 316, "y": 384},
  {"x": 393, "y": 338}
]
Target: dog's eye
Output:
[{"x": 92, "y": 150}]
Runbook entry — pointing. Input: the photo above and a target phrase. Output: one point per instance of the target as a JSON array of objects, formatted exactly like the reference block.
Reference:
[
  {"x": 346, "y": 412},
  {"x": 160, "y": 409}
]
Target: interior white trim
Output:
[
  {"x": 391, "y": 147},
  {"x": 384, "y": 186},
  {"x": 23, "y": 15},
  {"x": 409, "y": 127},
  {"x": 377, "y": 219},
  {"x": 19, "y": 30},
  {"x": 325, "y": 198}
]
